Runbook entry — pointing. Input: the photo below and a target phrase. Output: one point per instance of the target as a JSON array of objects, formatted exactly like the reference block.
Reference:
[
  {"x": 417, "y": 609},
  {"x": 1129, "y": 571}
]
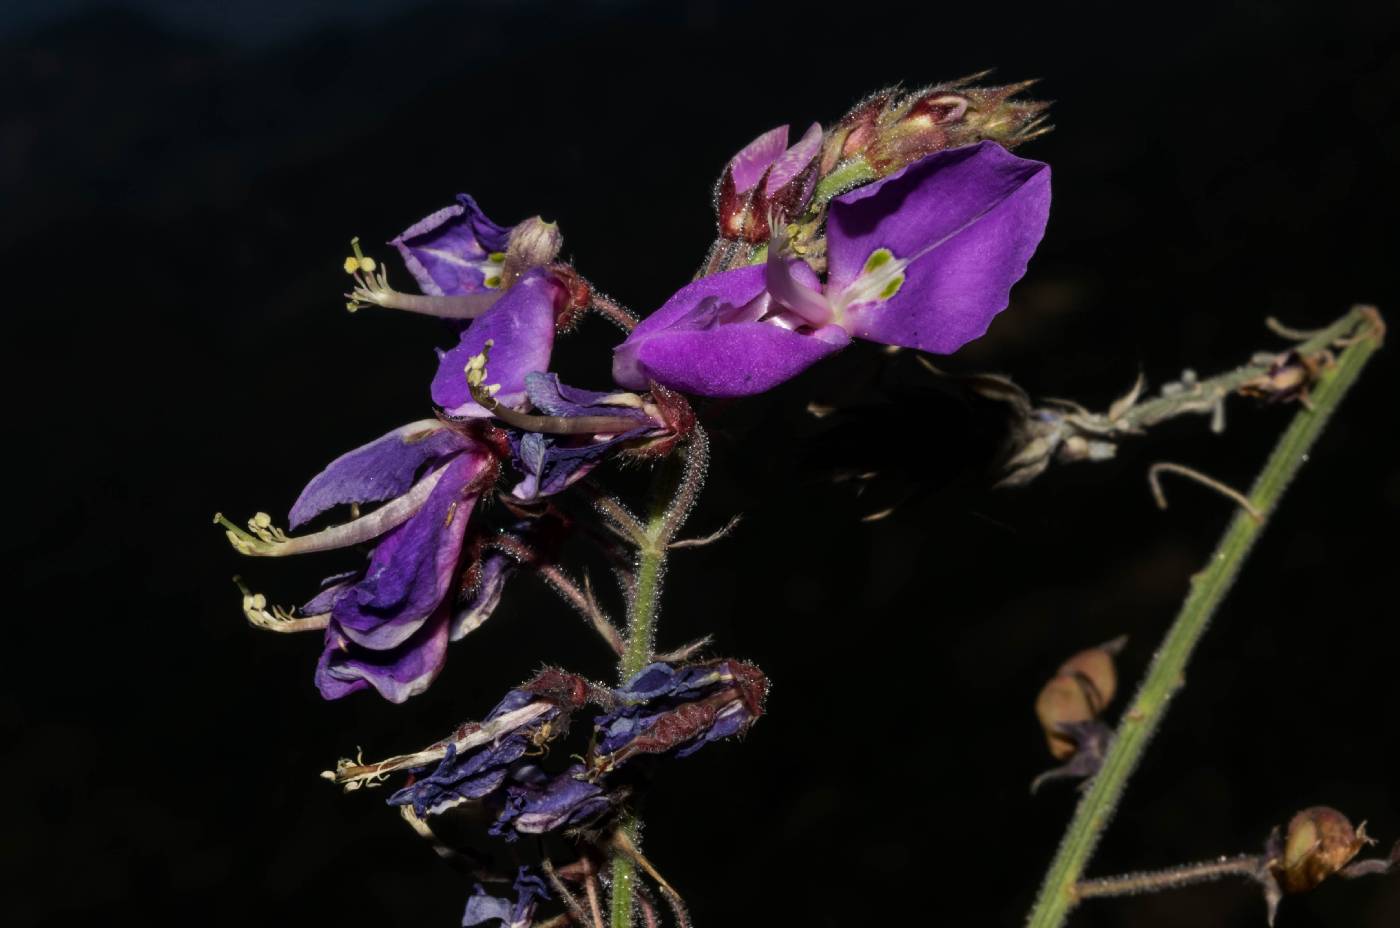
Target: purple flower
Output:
[
  {"x": 474, "y": 768},
  {"x": 508, "y": 913},
  {"x": 923, "y": 258},
  {"x": 665, "y": 708},
  {"x": 386, "y": 627},
  {"x": 461, "y": 260},
  {"x": 456, "y": 250}
]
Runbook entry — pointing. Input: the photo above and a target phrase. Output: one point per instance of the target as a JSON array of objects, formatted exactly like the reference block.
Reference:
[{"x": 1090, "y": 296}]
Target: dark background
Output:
[{"x": 179, "y": 183}]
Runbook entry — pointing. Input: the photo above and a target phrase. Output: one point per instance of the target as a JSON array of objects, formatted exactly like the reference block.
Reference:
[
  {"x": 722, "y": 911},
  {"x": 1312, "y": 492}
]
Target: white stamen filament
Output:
[
  {"x": 812, "y": 305},
  {"x": 277, "y": 619},
  {"x": 372, "y": 289},
  {"x": 263, "y": 539},
  {"x": 354, "y": 774}
]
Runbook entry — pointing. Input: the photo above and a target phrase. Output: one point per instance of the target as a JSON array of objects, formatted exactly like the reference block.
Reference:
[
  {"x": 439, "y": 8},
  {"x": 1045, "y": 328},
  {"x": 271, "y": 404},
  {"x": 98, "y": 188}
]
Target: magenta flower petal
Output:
[
  {"x": 753, "y": 159},
  {"x": 381, "y": 470},
  {"x": 739, "y": 359},
  {"x": 707, "y": 340},
  {"x": 796, "y": 159},
  {"x": 521, "y": 328},
  {"x": 965, "y": 221},
  {"x": 412, "y": 569},
  {"x": 449, "y": 252}
]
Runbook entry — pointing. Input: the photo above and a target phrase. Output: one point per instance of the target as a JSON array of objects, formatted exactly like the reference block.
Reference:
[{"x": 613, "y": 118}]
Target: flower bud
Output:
[
  {"x": 891, "y": 131},
  {"x": 532, "y": 243},
  {"x": 767, "y": 178},
  {"x": 1320, "y": 841}
]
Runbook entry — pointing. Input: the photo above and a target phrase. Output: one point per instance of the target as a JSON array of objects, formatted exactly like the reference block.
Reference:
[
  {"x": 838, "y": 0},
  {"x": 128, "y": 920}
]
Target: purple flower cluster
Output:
[
  {"x": 903, "y": 225},
  {"x": 923, "y": 257}
]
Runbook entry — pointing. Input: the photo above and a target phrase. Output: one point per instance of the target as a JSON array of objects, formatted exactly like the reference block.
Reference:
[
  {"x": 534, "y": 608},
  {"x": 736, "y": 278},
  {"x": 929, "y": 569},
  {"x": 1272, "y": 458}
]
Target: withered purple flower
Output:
[
  {"x": 665, "y": 708},
  {"x": 614, "y": 421},
  {"x": 490, "y": 761},
  {"x": 521, "y": 724},
  {"x": 923, "y": 258},
  {"x": 536, "y": 803},
  {"x": 485, "y": 909}
]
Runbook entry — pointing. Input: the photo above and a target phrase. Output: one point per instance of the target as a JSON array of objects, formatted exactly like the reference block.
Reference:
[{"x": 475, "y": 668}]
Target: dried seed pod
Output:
[
  {"x": 1080, "y": 690},
  {"x": 1320, "y": 841}
]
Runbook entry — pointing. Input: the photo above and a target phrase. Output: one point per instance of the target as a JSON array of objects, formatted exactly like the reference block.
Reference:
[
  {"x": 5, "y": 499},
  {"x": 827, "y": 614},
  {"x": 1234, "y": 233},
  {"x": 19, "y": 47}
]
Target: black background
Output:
[{"x": 178, "y": 191}]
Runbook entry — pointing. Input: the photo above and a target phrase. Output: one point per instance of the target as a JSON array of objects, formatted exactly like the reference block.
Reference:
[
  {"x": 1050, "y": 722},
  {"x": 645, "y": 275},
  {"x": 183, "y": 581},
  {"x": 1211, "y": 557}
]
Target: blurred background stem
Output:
[{"x": 1361, "y": 336}]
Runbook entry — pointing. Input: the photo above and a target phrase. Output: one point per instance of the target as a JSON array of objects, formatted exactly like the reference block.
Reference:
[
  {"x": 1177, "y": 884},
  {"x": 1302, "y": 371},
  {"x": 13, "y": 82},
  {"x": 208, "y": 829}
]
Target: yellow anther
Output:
[
  {"x": 367, "y": 265},
  {"x": 352, "y": 264}
]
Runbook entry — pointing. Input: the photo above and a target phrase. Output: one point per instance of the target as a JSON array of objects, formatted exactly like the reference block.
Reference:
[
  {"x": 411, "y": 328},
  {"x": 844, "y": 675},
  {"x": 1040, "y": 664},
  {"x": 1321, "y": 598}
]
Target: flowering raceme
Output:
[
  {"x": 923, "y": 255},
  {"x": 388, "y": 626},
  {"x": 923, "y": 258}
]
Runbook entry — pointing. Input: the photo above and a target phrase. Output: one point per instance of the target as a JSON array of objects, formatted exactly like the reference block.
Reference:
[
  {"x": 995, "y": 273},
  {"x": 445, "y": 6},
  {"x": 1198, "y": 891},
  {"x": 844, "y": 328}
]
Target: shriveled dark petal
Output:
[
  {"x": 553, "y": 398},
  {"x": 519, "y": 912},
  {"x": 520, "y": 327},
  {"x": 668, "y": 708},
  {"x": 729, "y": 722},
  {"x": 967, "y": 222},
  {"x": 380, "y": 470},
  {"x": 459, "y": 779},
  {"x": 537, "y": 803},
  {"x": 550, "y": 465},
  {"x": 448, "y": 253},
  {"x": 412, "y": 568},
  {"x": 651, "y": 682},
  {"x": 397, "y": 673},
  {"x": 481, "y": 766}
]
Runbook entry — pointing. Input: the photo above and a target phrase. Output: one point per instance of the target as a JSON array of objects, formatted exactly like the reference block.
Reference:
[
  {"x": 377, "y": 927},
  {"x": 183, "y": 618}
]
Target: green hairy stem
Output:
[{"x": 673, "y": 494}]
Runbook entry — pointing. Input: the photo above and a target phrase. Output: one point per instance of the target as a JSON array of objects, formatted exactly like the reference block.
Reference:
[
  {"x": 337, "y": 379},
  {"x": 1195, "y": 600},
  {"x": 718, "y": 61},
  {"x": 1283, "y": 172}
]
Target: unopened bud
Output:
[
  {"x": 532, "y": 243},
  {"x": 890, "y": 132},
  {"x": 766, "y": 178}
]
